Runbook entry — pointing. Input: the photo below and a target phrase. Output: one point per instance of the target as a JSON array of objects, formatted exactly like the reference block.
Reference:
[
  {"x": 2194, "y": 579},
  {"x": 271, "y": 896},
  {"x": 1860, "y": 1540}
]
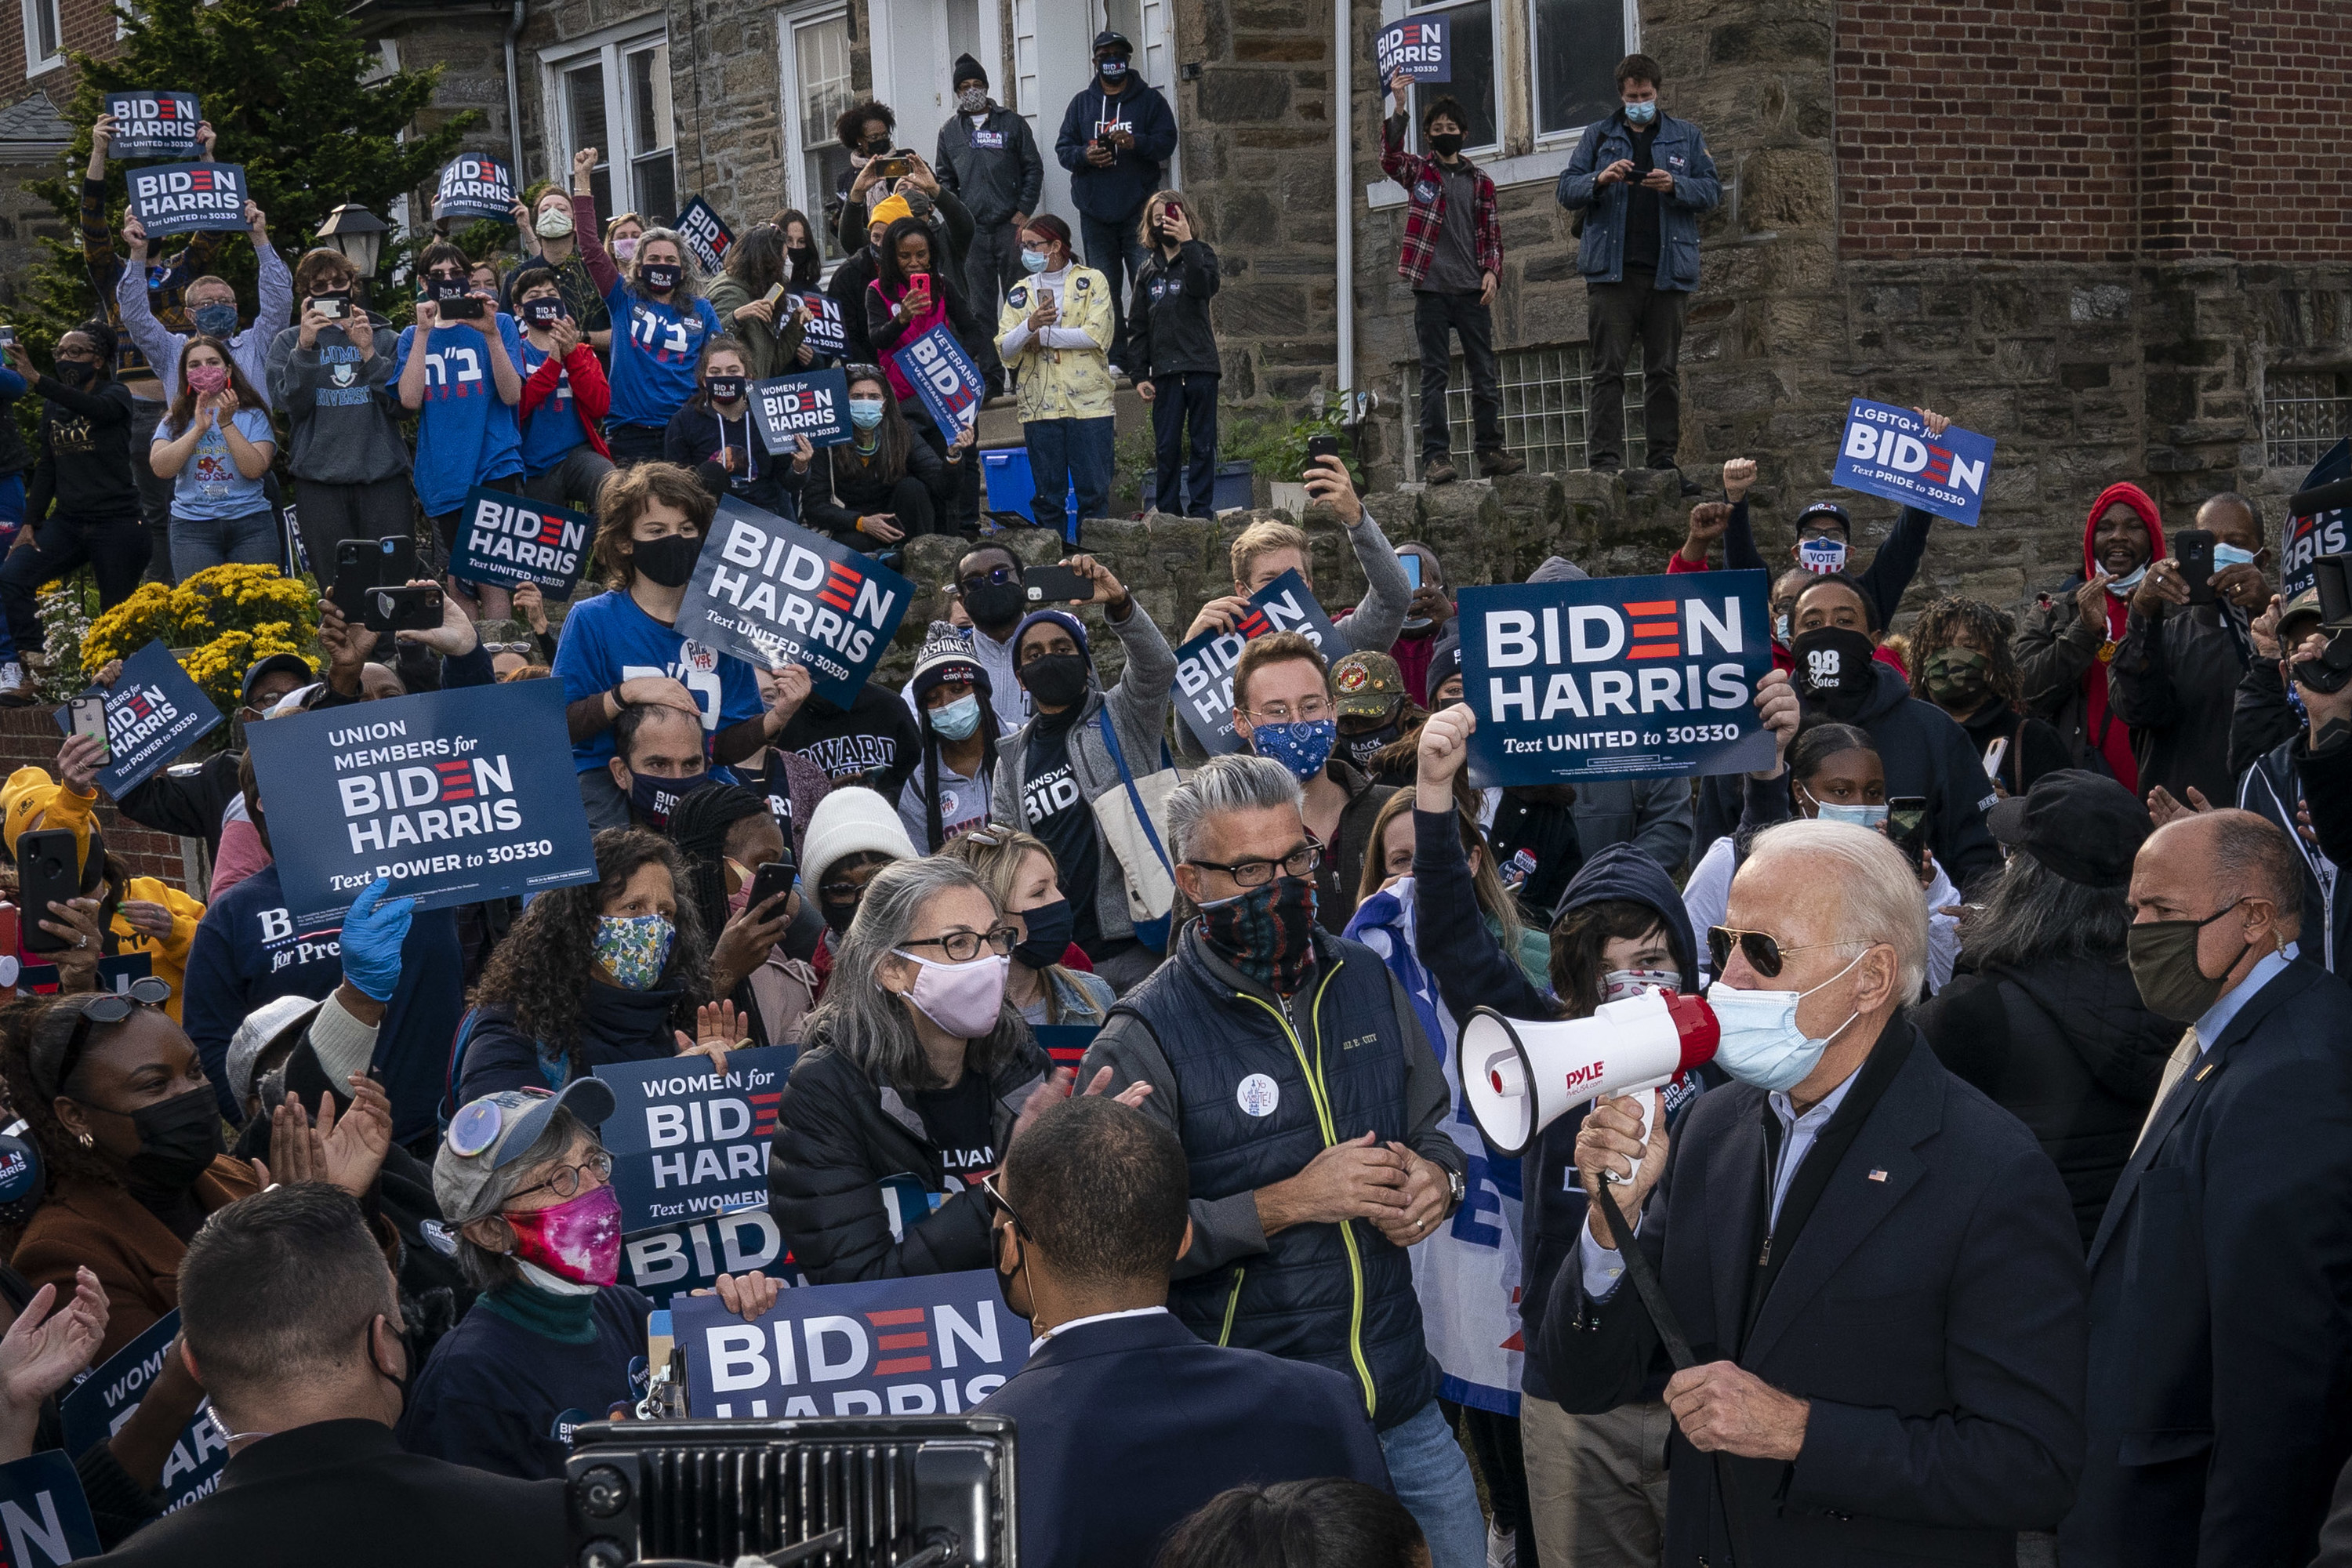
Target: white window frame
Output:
[
  {"x": 1502, "y": 108},
  {"x": 611, "y": 49},
  {"x": 35, "y": 63},
  {"x": 789, "y": 99},
  {"x": 1569, "y": 137}
]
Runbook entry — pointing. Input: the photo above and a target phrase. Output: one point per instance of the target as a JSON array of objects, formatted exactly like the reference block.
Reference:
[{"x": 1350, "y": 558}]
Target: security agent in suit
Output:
[
  {"x": 1875, "y": 1267},
  {"x": 2221, "y": 1374},
  {"x": 1127, "y": 1422}
]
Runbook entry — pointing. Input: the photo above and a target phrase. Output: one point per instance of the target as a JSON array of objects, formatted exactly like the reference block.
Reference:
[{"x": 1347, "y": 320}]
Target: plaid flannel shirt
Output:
[{"x": 1418, "y": 173}]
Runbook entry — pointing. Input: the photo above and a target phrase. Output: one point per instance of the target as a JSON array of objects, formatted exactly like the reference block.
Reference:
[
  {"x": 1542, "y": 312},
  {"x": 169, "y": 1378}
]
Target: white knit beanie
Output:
[{"x": 850, "y": 821}]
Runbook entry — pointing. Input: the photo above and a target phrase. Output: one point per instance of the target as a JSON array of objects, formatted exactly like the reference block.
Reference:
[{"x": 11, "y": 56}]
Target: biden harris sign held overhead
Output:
[{"x": 1615, "y": 678}]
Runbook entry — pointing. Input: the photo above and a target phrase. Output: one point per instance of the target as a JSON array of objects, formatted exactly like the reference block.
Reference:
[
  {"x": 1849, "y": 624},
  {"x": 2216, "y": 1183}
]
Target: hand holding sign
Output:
[
  {"x": 1778, "y": 706},
  {"x": 749, "y": 1297},
  {"x": 716, "y": 1033},
  {"x": 1914, "y": 456},
  {"x": 188, "y": 198},
  {"x": 1417, "y": 49}
]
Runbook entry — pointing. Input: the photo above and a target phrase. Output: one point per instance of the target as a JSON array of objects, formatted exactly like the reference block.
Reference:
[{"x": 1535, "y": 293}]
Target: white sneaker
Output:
[
  {"x": 11, "y": 674},
  {"x": 1502, "y": 1547},
  {"x": 1117, "y": 373}
]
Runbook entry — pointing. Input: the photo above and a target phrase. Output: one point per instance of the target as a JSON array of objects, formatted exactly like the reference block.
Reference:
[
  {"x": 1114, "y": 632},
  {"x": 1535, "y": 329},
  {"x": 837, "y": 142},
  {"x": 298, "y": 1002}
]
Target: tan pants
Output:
[{"x": 1597, "y": 1484}]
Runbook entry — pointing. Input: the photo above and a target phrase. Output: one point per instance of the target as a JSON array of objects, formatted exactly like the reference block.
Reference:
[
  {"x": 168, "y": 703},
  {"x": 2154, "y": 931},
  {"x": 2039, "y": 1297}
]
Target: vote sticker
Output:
[{"x": 1258, "y": 1095}]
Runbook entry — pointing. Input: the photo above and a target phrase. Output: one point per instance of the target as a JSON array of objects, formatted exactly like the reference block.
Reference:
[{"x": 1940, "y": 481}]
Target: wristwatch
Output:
[{"x": 1458, "y": 1187}]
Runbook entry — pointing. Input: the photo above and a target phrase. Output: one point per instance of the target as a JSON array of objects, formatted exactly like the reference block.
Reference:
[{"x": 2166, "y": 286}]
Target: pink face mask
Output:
[
  {"x": 579, "y": 1239},
  {"x": 208, "y": 377},
  {"x": 625, "y": 246}
]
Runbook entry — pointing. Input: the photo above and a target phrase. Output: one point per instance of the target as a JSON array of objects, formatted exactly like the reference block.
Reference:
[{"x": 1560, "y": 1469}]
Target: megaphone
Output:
[{"x": 1521, "y": 1074}]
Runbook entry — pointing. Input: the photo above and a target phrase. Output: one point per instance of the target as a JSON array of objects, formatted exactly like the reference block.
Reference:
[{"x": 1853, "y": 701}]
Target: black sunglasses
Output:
[
  {"x": 110, "y": 1007},
  {"x": 1763, "y": 951},
  {"x": 997, "y": 1203},
  {"x": 1002, "y": 576}
]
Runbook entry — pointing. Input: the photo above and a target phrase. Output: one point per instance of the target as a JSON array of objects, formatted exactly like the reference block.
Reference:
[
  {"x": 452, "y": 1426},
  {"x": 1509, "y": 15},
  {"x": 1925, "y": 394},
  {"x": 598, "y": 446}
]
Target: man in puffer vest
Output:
[{"x": 1295, "y": 1073}]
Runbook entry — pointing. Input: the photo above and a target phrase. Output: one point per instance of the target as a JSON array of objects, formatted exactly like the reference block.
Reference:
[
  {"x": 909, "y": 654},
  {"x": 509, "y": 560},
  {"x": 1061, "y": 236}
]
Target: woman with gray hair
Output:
[
  {"x": 913, "y": 1076},
  {"x": 2043, "y": 1015},
  {"x": 660, "y": 322},
  {"x": 526, "y": 1194}
]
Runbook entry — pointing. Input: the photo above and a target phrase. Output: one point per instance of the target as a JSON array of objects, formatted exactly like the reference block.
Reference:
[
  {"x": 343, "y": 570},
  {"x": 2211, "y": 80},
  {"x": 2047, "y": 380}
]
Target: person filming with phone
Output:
[
  {"x": 330, "y": 373},
  {"x": 2185, "y": 646}
]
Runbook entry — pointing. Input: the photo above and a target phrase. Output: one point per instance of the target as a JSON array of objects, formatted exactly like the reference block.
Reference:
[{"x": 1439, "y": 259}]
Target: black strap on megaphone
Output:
[{"x": 1670, "y": 1333}]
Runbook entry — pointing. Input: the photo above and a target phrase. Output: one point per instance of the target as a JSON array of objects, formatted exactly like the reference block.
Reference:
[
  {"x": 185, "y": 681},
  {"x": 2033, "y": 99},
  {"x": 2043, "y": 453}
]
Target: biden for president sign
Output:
[
  {"x": 1887, "y": 451},
  {"x": 773, "y": 592},
  {"x": 1615, "y": 678},
  {"x": 99, "y": 1404},
  {"x": 456, "y": 795},
  {"x": 474, "y": 184},
  {"x": 690, "y": 1142},
  {"x": 154, "y": 713},
  {"x": 1418, "y": 48},
  {"x": 504, "y": 539},
  {"x": 1203, "y": 694},
  {"x": 936, "y": 1344},
  {"x": 153, "y": 124},
  {"x": 187, "y": 198},
  {"x": 814, "y": 404}
]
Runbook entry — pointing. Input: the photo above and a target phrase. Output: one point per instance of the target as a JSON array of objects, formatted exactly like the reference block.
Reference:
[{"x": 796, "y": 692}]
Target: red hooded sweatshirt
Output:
[{"x": 2114, "y": 739}]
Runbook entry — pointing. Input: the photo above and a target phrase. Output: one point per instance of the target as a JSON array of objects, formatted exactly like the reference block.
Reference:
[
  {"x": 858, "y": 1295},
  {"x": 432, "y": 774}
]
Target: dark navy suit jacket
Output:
[
  {"x": 1127, "y": 1426},
  {"x": 2220, "y": 1393},
  {"x": 1931, "y": 1309}
]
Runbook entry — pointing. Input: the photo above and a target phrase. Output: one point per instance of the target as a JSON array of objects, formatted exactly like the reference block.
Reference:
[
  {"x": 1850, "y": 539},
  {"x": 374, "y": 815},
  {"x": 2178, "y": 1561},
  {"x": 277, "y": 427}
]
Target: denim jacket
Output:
[{"x": 1680, "y": 149}]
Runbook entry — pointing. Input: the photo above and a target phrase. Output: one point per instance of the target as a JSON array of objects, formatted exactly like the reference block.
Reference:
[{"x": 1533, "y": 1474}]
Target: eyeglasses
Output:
[
  {"x": 840, "y": 892},
  {"x": 112, "y": 1007},
  {"x": 1001, "y": 577},
  {"x": 963, "y": 946},
  {"x": 565, "y": 1181},
  {"x": 998, "y": 1205},
  {"x": 1763, "y": 951},
  {"x": 1311, "y": 711},
  {"x": 497, "y": 647},
  {"x": 1299, "y": 862}
]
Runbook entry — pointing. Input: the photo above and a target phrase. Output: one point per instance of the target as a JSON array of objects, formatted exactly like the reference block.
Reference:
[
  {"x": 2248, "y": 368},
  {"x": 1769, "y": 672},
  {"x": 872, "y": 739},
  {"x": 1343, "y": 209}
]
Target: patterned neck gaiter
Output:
[{"x": 1268, "y": 933}]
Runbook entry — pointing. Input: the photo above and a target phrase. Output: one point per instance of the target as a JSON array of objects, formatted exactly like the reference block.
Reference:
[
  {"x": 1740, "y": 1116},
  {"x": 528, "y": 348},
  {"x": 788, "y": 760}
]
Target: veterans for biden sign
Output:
[
  {"x": 474, "y": 184},
  {"x": 814, "y": 404},
  {"x": 1418, "y": 48},
  {"x": 690, "y": 1142},
  {"x": 153, "y": 124},
  {"x": 1887, "y": 451},
  {"x": 773, "y": 592},
  {"x": 944, "y": 377},
  {"x": 502, "y": 539},
  {"x": 1204, "y": 666},
  {"x": 1615, "y": 678},
  {"x": 936, "y": 1344},
  {"x": 187, "y": 198},
  {"x": 456, "y": 795},
  {"x": 154, "y": 713}
]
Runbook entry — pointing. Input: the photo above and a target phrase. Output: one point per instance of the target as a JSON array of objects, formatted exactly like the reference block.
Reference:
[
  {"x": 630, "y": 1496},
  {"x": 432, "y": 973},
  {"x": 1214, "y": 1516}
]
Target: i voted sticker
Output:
[{"x": 1258, "y": 1095}]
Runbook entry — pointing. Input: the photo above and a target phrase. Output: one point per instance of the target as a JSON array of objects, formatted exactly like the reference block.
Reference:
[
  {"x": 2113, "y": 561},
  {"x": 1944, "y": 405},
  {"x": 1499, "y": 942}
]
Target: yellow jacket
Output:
[
  {"x": 1069, "y": 382},
  {"x": 169, "y": 955}
]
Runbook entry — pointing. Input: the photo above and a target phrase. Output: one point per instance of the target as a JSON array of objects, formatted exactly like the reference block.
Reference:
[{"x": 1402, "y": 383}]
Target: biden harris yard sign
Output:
[
  {"x": 773, "y": 592},
  {"x": 456, "y": 795},
  {"x": 1615, "y": 678},
  {"x": 1887, "y": 451},
  {"x": 934, "y": 1344}
]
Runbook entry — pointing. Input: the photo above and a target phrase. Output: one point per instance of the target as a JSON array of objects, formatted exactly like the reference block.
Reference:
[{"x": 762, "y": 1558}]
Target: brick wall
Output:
[
  {"x": 1988, "y": 130},
  {"x": 2291, "y": 167},
  {"x": 30, "y": 736}
]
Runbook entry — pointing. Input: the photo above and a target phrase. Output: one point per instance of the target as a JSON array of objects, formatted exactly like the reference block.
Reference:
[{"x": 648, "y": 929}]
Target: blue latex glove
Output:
[{"x": 373, "y": 934}]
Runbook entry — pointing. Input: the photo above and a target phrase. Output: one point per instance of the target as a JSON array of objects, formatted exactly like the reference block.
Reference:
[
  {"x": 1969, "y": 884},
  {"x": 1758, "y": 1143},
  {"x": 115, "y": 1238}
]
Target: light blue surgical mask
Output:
[
  {"x": 1870, "y": 816},
  {"x": 1759, "y": 1042},
  {"x": 2121, "y": 587},
  {"x": 1641, "y": 114},
  {"x": 866, "y": 412},
  {"x": 956, "y": 720},
  {"x": 2231, "y": 555},
  {"x": 1036, "y": 260}
]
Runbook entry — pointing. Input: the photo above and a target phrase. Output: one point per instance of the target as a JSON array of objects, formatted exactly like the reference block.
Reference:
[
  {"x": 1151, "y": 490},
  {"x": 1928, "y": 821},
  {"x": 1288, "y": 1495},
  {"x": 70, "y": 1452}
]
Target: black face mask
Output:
[
  {"x": 407, "y": 1378},
  {"x": 1050, "y": 926},
  {"x": 669, "y": 560},
  {"x": 1361, "y": 747},
  {"x": 661, "y": 275},
  {"x": 839, "y": 917},
  {"x": 876, "y": 145},
  {"x": 995, "y": 604},
  {"x": 1446, "y": 143},
  {"x": 178, "y": 1140},
  {"x": 1834, "y": 670},
  {"x": 75, "y": 372},
  {"x": 542, "y": 313},
  {"x": 726, "y": 388},
  {"x": 654, "y": 799},
  {"x": 1058, "y": 680}
]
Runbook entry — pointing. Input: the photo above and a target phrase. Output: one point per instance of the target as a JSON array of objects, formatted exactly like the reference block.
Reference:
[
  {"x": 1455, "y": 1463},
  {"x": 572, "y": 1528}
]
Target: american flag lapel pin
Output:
[{"x": 1878, "y": 1176}]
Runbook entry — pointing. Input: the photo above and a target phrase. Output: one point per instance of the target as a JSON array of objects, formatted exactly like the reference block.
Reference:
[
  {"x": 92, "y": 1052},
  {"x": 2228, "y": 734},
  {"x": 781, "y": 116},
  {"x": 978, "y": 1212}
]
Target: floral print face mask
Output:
[{"x": 635, "y": 948}]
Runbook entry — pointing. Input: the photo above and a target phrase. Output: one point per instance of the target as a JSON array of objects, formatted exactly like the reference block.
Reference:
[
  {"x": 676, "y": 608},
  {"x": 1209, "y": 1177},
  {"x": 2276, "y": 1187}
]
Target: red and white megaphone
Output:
[{"x": 1521, "y": 1075}]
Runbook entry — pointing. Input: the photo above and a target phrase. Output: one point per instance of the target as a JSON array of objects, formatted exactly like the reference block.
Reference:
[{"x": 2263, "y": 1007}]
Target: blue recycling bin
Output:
[
  {"x": 1233, "y": 489},
  {"x": 1013, "y": 487}
]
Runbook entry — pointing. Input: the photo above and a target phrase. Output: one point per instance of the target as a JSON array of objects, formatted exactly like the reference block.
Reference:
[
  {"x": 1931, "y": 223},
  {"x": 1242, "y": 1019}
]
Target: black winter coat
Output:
[
  {"x": 840, "y": 1134},
  {"x": 2067, "y": 1047}
]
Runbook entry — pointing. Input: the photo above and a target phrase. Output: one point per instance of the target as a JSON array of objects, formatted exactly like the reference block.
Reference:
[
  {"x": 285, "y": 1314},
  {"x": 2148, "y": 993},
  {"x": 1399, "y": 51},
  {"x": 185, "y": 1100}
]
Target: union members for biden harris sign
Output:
[
  {"x": 456, "y": 796},
  {"x": 1615, "y": 678}
]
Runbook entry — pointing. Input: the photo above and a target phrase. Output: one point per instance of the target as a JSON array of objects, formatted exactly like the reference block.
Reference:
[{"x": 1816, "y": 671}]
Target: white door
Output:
[
  {"x": 916, "y": 42},
  {"x": 1053, "y": 58}
]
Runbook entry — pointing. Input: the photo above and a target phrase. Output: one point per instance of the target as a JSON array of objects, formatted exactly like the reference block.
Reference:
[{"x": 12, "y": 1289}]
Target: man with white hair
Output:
[
  {"x": 1294, "y": 1070},
  {"x": 1876, "y": 1268}
]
